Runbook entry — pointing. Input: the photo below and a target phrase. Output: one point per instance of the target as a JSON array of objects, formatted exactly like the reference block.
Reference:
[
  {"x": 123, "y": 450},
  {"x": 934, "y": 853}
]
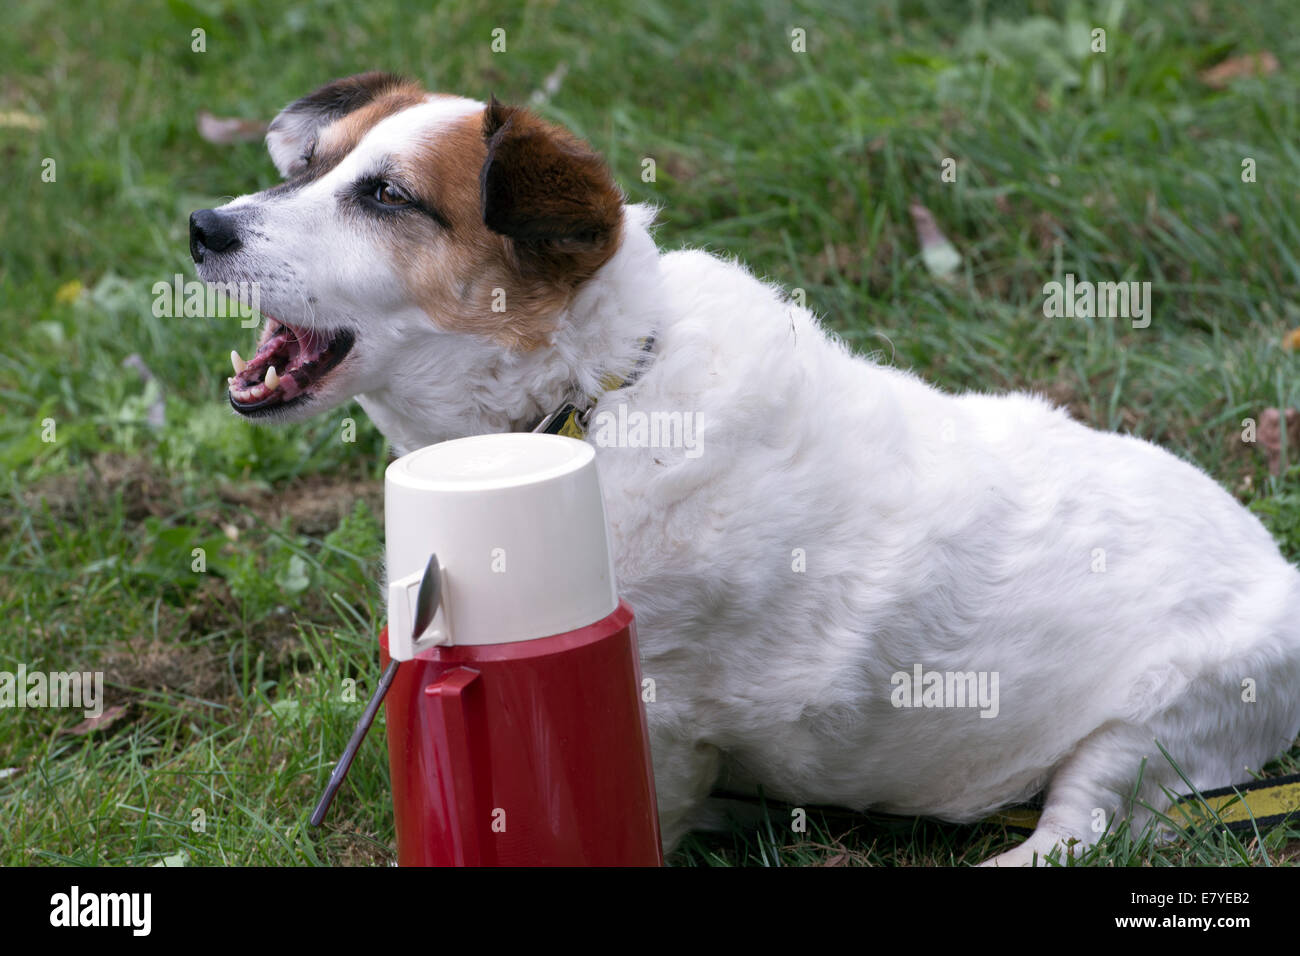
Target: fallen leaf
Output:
[
  {"x": 17, "y": 119},
  {"x": 157, "y": 413},
  {"x": 1291, "y": 341},
  {"x": 68, "y": 293},
  {"x": 550, "y": 85},
  {"x": 1269, "y": 436},
  {"x": 9, "y": 772},
  {"x": 224, "y": 130},
  {"x": 939, "y": 255},
  {"x": 176, "y": 859},
  {"x": 1235, "y": 67},
  {"x": 136, "y": 362},
  {"x": 98, "y": 723}
]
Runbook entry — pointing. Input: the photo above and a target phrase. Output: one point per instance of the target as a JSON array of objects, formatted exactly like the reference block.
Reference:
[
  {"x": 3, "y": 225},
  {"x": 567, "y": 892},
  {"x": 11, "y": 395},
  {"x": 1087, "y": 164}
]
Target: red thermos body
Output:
[{"x": 531, "y": 750}]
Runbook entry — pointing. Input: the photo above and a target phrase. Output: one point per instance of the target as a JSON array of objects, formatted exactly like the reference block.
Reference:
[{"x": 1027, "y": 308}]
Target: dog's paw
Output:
[
  {"x": 1036, "y": 852},
  {"x": 1023, "y": 855}
]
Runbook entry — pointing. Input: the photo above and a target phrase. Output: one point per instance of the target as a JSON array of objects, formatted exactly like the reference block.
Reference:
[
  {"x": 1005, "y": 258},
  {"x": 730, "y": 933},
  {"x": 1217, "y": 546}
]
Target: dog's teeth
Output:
[
  {"x": 237, "y": 362},
  {"x": 230, "y": 380},
  {"x": 271, "y": 380}
]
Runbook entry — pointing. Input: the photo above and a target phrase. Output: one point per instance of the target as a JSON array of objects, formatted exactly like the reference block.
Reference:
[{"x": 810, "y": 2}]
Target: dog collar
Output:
[{"x": 571, "y": 421}]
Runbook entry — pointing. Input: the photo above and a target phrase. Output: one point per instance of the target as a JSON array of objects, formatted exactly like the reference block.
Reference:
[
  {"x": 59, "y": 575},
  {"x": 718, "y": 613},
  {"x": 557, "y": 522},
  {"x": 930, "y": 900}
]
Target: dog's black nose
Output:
[{"x": 210, "y": 231}]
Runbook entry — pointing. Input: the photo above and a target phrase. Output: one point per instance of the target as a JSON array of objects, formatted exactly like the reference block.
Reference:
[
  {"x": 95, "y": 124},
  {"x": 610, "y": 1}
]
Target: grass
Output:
[{"x": 1124, "y": 165}]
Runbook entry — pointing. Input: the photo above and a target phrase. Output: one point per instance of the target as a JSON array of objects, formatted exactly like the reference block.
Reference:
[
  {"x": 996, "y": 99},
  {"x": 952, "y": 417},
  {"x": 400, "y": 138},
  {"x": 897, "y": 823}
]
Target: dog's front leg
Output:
[{"x": 685, "y": 772}]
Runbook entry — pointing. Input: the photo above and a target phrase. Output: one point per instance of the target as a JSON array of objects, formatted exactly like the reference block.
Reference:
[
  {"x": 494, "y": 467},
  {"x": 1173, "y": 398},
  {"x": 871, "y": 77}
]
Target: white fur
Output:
[
  {"x": 314, "y": 268},
  {"x": 959, "y": 532}
]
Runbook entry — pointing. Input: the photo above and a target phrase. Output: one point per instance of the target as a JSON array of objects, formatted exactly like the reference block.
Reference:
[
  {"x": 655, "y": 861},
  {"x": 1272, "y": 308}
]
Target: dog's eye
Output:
[{"x": 390, "y": 195}]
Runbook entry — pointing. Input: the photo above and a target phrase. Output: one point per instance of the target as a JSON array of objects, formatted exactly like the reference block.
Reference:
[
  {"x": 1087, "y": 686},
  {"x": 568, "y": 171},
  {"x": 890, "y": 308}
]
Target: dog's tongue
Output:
[{"x": 311, "y": 343}]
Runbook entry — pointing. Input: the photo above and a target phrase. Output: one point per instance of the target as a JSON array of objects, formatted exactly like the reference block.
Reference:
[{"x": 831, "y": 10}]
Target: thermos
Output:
[{"x": 516, "y": 729}]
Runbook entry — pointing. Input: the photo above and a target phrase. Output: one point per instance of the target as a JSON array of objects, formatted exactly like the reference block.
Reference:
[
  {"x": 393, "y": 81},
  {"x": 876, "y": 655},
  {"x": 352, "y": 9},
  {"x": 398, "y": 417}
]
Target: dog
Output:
[{"x": 852, "y": 589}]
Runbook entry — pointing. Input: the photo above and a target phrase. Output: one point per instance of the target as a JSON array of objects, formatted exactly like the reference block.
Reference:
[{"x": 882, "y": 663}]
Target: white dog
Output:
[{"x": 850, "y": 587}]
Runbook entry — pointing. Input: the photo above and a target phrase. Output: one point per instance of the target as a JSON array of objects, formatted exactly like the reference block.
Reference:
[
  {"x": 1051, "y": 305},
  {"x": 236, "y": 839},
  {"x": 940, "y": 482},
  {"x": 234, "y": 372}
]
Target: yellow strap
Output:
[
  {"x": 572, "y": 424},
  {"x": 1022, "y": 818},
  {"x": 1269, "y": 801},
  {"x": 609, "y": 383},
  {"x": 1260, "y": 802},
  {"x": 572, "y": 427}
]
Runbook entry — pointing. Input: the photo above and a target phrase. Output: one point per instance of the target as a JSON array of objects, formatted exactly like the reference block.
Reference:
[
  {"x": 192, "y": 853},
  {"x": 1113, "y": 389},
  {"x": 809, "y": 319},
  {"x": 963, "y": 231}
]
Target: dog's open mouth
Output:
[{"x": 289, "y": 362}]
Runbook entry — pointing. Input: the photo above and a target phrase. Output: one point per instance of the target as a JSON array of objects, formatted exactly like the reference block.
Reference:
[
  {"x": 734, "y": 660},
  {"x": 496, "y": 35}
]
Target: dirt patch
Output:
[
  {"x": 211, "y": 607},
  {"x": 213, "y": 610},
  {"x": 191, "y": 656},
  {"x": 314, "y": 504},
  {"x": 1288, "y": 854},
  {"x": 185, "y": 652},
  {"x": 145, "y": 488},
  {"x": 152, "y": 665},
  {"x": 360, "y": 848}
]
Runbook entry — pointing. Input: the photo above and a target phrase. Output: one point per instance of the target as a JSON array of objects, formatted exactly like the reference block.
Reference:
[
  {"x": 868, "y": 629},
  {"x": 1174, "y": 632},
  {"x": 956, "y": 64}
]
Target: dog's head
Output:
[{"x": 408, "y": 222}]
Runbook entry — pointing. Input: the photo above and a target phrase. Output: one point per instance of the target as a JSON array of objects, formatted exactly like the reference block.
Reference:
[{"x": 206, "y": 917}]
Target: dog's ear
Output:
[
  {"x": 292, "y": 135},
  {"x": 549, "y": 193}
]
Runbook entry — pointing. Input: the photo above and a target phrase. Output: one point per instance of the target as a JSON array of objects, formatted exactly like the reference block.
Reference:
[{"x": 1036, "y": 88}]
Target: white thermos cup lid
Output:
[{"x": 518, "y": 525}]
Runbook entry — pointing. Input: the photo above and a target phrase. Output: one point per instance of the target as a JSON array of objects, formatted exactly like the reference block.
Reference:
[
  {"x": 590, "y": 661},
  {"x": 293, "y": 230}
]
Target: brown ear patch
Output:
[
  {"x": 527, "y": 213},
  {"x": 548, "y": 192},
  {"x": 466, "y": 278},
  {"x": 475, "y": 277}
]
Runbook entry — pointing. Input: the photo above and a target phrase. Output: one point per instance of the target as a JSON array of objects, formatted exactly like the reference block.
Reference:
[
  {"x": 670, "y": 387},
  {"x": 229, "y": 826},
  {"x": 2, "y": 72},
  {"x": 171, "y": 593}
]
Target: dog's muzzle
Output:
[{"x": 210, "y": 231}]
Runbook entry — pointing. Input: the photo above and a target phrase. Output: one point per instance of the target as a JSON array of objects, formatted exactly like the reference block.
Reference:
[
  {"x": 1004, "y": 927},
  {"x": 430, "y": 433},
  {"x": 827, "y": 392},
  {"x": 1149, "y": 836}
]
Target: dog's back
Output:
[{"x": 848, "y": 523}]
